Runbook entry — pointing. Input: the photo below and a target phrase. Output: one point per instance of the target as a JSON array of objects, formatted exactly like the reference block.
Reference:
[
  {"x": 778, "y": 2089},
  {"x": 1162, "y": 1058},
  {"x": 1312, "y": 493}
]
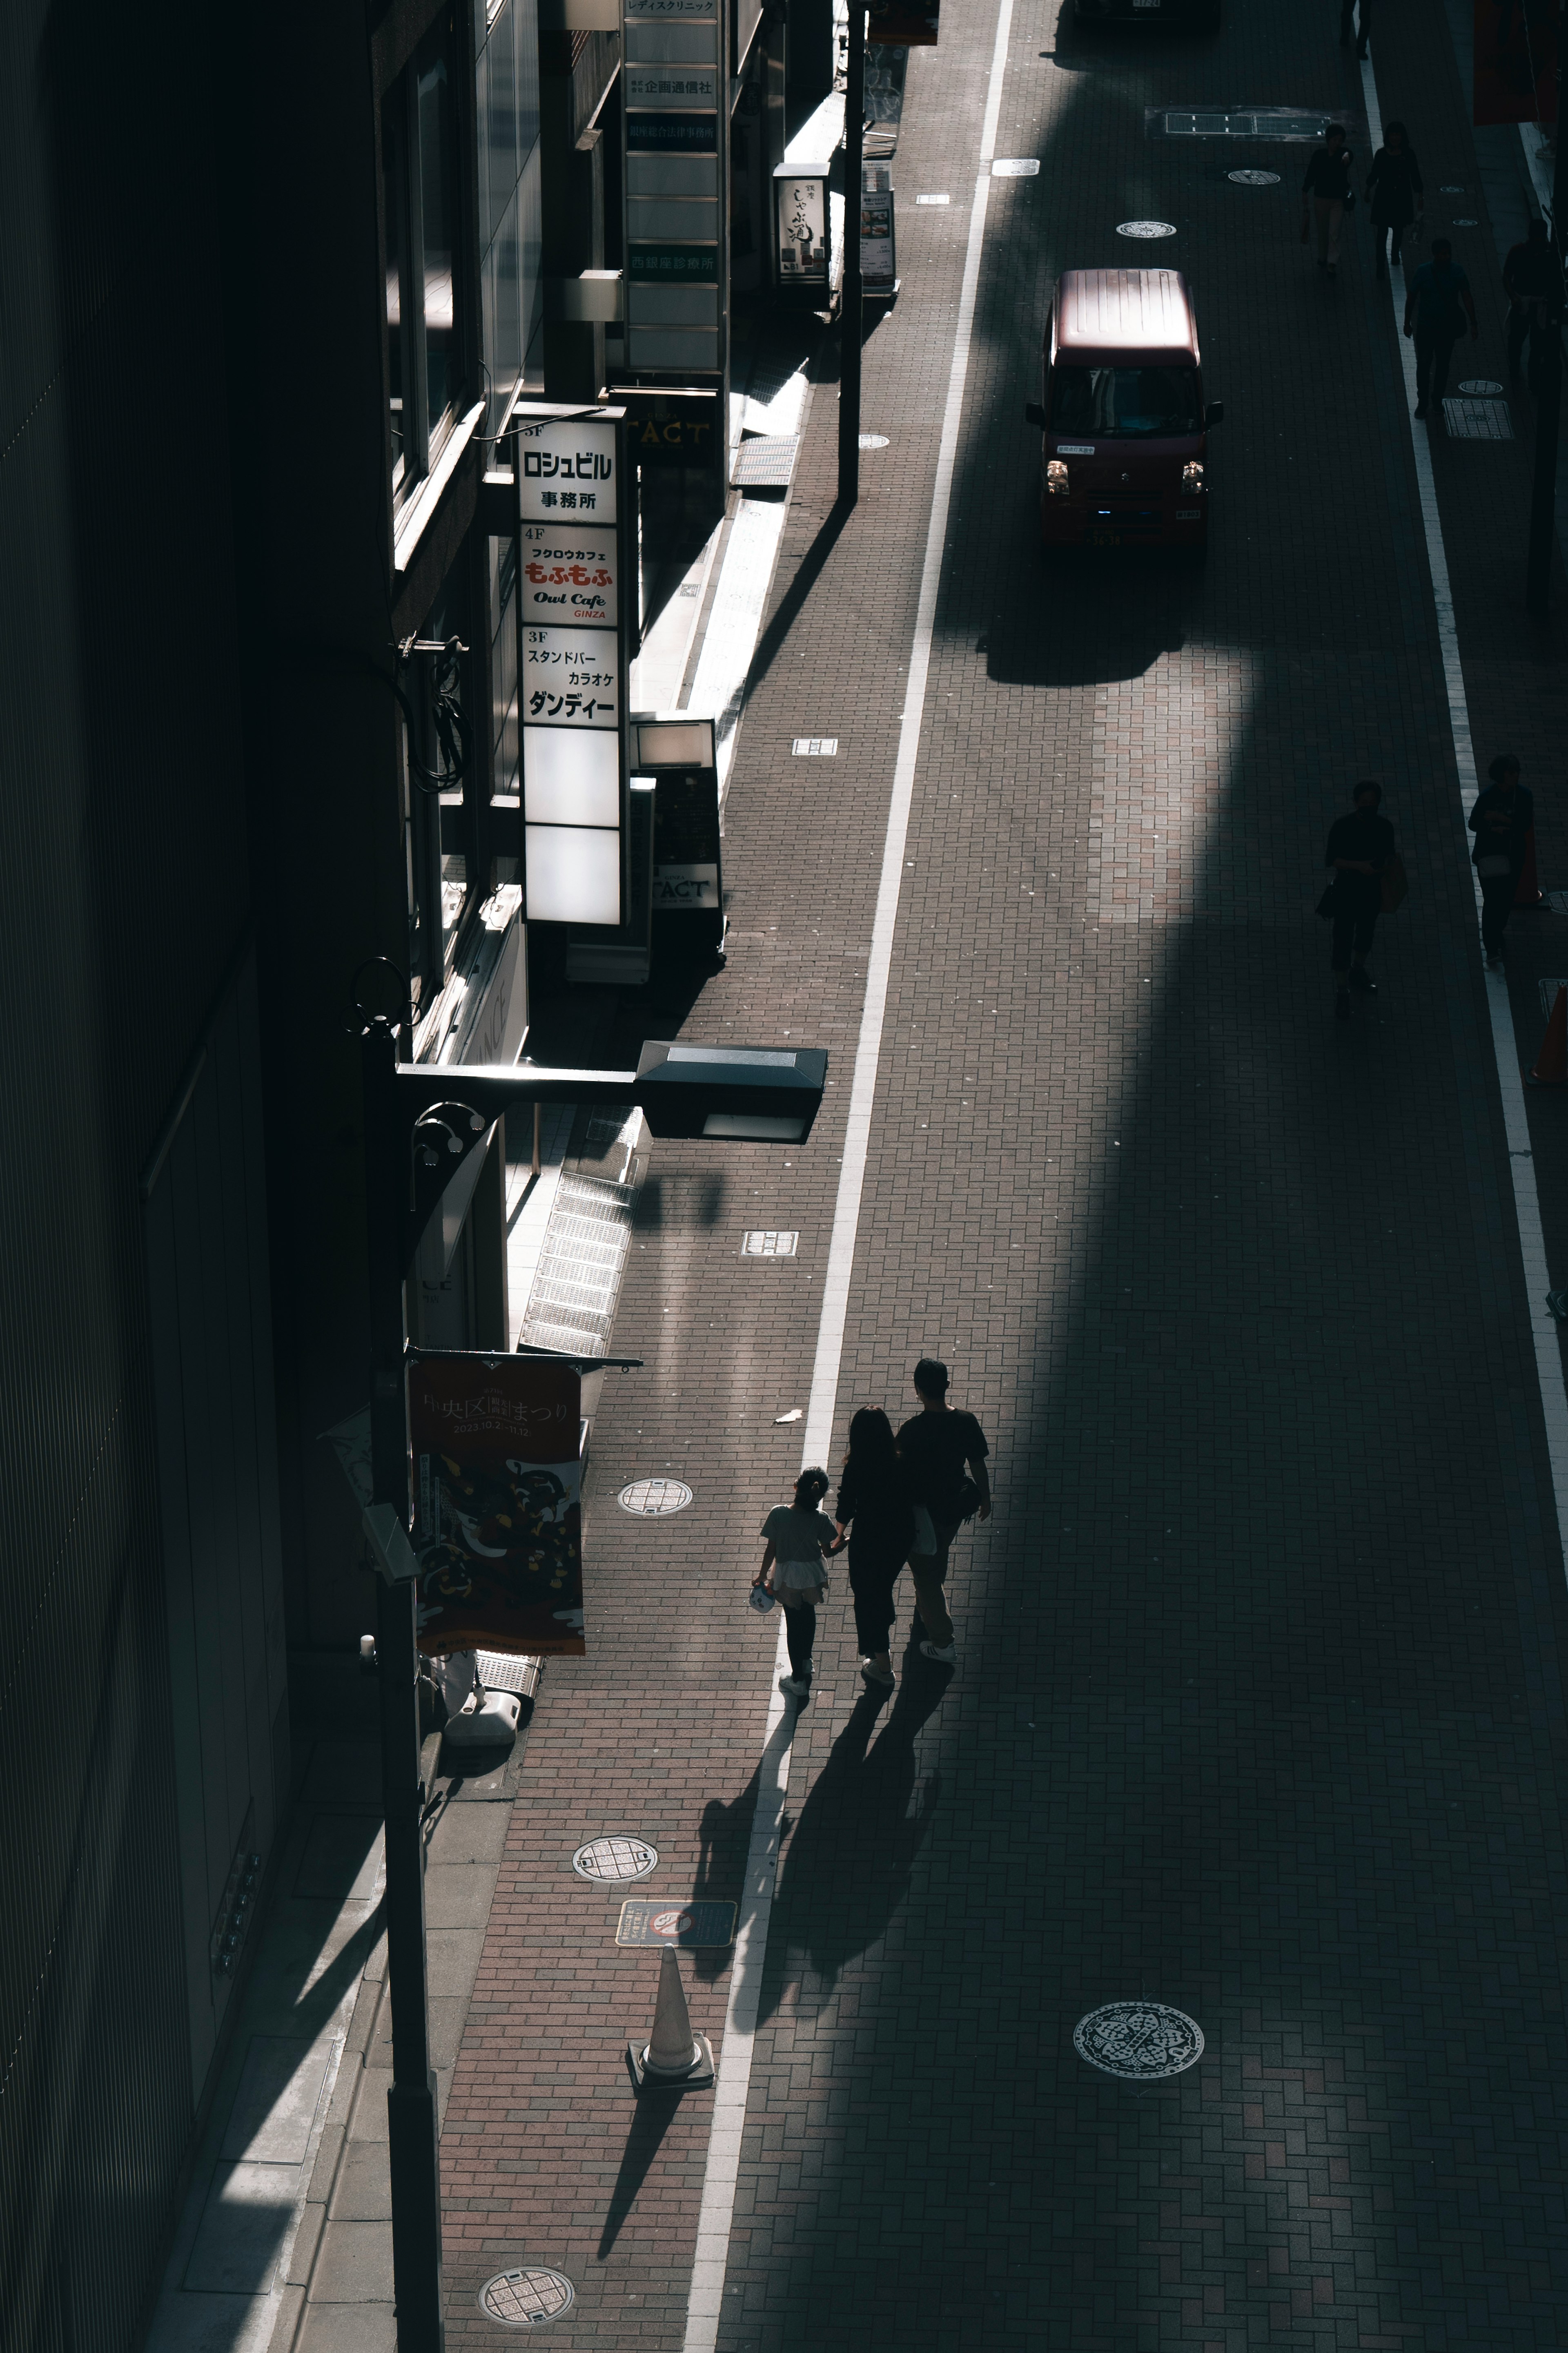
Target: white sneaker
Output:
[
  {"x": 947, "y": 1658},
  {"x": 870, "y": 1672},
  {"x": 797, "y": 1687}
]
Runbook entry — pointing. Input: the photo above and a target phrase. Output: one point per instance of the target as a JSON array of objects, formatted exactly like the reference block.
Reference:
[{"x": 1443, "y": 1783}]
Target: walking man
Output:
[
  {"x": 1360, "y": 846},
  {"x": 1500, "y": 821},
  {"x": 1436, "y": 308},
  {"x": 936, "y": 1444},
  {"x": 1327, "y": 189},
  {"x": 1530, "y": 279}
]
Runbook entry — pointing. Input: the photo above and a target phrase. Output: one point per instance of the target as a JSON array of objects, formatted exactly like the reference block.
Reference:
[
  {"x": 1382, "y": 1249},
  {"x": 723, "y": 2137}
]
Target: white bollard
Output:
[{"x": 673, "y": 2059}]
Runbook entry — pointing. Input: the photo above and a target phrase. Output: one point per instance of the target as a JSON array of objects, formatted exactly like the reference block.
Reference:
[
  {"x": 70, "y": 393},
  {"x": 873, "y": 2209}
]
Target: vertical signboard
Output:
[
  {"x": 675, "y": 123},
  {"x": 574, "y": 531},
  {"x": 903, "y": 23},
  {"x": 879, "y": 260},
  {"x": 496, "y": 1509},
  {"x": 1515, "y": 60}
]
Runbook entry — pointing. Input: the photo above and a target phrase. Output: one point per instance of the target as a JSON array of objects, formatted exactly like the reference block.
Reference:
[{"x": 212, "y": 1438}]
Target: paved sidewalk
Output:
[{"x": 1259, "y": 1708}]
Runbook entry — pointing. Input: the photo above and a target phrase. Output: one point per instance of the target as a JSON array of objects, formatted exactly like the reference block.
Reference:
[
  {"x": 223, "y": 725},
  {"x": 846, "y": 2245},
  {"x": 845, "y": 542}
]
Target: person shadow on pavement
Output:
[{"x": 848, "y": 1859}]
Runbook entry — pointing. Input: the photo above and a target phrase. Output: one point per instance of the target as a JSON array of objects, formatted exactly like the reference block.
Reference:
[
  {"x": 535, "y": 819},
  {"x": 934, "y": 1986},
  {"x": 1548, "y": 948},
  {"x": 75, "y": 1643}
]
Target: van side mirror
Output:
[
  {"x": 1214, "y": 414},
  {"x": 1035, "y": 415}
]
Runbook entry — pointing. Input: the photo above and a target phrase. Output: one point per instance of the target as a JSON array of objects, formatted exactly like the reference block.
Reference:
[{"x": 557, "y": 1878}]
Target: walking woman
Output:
[
  {"x": 874, "y": 1495},
  {"x": 1395, "y": 194},
  {"x": 1359, "y": 848},
  {"x": 793, "y": 1571}
]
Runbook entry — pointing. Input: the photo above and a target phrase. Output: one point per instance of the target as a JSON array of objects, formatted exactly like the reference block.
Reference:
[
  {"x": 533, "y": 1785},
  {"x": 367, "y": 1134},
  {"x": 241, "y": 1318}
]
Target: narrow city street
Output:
[{"x": 1258, "y": 1708}]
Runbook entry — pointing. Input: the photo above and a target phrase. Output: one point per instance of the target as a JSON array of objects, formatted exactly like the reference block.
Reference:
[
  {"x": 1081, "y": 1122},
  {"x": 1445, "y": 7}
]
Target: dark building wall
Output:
[{"x": 125, "y": 873}]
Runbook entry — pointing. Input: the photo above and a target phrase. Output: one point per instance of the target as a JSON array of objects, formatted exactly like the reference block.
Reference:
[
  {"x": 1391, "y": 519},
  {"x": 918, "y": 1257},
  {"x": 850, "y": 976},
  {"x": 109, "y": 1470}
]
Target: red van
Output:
[{"x": 1125, "y": 460}]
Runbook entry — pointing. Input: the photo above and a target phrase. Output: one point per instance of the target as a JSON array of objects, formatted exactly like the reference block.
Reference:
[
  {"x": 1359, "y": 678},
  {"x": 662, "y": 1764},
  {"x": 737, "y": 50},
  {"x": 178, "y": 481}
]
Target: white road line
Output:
[
  {"x": 713, "y": 2222},
  {"x": 1505, "y": 1047}
]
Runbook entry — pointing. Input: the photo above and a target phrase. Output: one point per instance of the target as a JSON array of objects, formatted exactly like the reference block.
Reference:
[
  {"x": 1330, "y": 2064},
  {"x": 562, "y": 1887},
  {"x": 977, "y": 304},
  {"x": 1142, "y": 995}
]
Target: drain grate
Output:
[
  {"x": 572, "y": 1302},
  {"x": 1145, "y": 228},
  {"x": 498, "y": 1673},
  {"x": 1254, "y": 179},
  {"x": 1285, "y": 122},
  {"x": 815, "y": 747},
  {"x": 527, "y": 2299},
  {"x": 654, "y": 1499},
  {"x": 1477, "y": 420},
  {"x": 1139, "y": 2040},
  {"x": 757, "y": 1244},
  {"x": 1015, "y": 167},
  {"x": 765, "y": 463},
  {"x": 616, "y": 1859}
]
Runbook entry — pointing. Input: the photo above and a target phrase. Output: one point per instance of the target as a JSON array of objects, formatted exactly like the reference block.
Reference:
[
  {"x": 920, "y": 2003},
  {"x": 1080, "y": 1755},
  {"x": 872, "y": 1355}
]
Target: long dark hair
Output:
[
  {"x": 872, "y": 1441},
  {"x": 809, "y": 1490}
]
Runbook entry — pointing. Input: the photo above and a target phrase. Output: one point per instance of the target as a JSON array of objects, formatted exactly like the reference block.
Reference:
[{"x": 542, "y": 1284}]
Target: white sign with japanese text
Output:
[
  {"x": 568, "y": 469},
  {"x": 802, "y": 228},
  {"x": 569, "y": 575},
  {"x": 571, "y": 678}
]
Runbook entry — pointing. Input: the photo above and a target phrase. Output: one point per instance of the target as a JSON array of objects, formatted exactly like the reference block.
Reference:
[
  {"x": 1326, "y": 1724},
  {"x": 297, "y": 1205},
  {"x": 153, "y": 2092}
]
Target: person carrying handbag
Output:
[
  {"x": 794, "y": 1571},
  {"x": 1367, "y": 874},
  {"x": 1328, "y": 191},
  {"x": 1500, "y": 821}
]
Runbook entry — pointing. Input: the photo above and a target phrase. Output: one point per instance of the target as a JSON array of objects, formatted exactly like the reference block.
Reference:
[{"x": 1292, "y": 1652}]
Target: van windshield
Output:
[{"x": 1125, "y": 401}]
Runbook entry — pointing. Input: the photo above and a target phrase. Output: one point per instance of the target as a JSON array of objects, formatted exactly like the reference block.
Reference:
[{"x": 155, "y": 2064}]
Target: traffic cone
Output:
[
  {"x": 1551, "y": 1062},
  {"x": 673, "y": 2059},
  {"x": 1528, "y": 895}
]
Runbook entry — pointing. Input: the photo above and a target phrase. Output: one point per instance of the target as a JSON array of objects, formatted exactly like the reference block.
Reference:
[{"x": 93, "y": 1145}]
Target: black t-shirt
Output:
[
  {"x": 1329, "y": 174},
  {"x": 877, "y": 1503},
  {"x": 937, "y": 1446},
  {"x": 1363, "y": 838}
]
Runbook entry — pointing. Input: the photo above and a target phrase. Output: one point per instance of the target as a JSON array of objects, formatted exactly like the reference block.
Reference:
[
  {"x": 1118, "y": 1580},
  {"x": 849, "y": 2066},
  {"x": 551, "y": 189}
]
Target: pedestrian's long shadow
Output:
[{"x": 847, "y": 1868}]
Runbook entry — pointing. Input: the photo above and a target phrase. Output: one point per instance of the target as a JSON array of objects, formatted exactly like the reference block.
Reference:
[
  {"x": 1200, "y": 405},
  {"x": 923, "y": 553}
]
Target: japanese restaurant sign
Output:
[
  {"x": 569, "y": 574},
  {"x": 497, "y": 1521}
]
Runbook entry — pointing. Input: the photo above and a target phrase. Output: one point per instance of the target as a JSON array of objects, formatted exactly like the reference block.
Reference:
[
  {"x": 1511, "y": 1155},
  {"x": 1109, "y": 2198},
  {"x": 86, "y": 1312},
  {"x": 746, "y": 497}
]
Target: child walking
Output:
[{"x": 798, "y": 1534}]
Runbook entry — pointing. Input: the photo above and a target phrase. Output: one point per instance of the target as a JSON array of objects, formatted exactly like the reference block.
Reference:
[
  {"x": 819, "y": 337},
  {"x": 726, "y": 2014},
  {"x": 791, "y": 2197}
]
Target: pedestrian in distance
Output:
[
  {"x": 1531, "y": 281},
  {"x": 1327, "y": 192},
  {"x": 1347, "y": 10},
  {"x": 794, "y": 1570},
  {"x": 875, "y": 1515},
  {"x": 1500, "y": 821},
  {"x": 1395, "y": 193},
  {"x": 946, "y": 1451},
  {"x": 1359, "y": 852},
  {"x": 1437, "y": 304}
]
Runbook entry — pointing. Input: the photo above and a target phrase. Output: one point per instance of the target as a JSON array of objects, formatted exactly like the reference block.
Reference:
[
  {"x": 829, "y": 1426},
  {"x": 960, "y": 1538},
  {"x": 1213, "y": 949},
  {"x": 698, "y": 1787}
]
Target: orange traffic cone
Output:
[{"x": 1551, "y": 1062}]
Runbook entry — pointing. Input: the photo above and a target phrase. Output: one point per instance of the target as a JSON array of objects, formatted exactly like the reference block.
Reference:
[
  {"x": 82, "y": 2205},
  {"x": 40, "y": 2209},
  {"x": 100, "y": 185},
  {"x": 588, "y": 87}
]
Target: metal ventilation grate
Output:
[
  {"x": 498, "y": 1672},
  {"x": 1477, "y": 420},
  {"x": 765, "y": 463},
  {"x": 572, "y": 1302},
  {"x": 1286, "y": 123},
  {"x": 757, "y": 1244}
]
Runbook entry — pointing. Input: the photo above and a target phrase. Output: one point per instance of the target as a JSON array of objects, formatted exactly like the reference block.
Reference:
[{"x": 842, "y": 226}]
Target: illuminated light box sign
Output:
[
  {"x": 571, "y": 678},
  {"x": 573, "y": 874},
  {"x": 800, "y": 210},
  {"x": 571, "y": 775},
  {"x": 568, "y": 467},
  {"x": 498, "y": 1520},
  {"x": 569, "y": 575}
]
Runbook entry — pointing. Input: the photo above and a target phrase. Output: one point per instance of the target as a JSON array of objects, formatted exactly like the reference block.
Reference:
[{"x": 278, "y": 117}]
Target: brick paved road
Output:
[{"x": 1258, "y": 1708}]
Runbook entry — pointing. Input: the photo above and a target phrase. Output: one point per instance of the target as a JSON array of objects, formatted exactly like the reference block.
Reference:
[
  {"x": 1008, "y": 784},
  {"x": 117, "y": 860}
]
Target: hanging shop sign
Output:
[
  {"x": 801, "y": 217},
  {"x": 569, "y": 574},
  {"x": 903, "y": 23},
  {"x": 675, "y": 123},
  {"x": 879, "y": 260},
  {"x": 498, "y": 1518},
  {"x": 571, "y": 678},
  {"x": 677, "y": 751},
  {"x": 566, "y": 465}
]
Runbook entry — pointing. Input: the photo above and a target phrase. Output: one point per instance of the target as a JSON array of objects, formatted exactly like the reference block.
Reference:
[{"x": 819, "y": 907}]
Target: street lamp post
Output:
[
  {"x": 852, "y": 313},
  {"x": 421, "y": 1121}
]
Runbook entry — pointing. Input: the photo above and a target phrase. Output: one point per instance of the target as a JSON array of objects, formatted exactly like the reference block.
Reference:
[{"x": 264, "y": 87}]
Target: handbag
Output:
[
  {"x": 1494, "y": 866},
  {"x": 762, "y": 1601},
  {"x": 1396, "y": 884}
]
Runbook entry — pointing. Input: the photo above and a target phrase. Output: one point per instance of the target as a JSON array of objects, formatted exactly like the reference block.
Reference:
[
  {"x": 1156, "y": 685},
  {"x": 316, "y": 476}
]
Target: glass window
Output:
[
  {"x": 439, "y": 223},
  {"x": 1148, "y": 403},
  {"x": 424, "y": 277},
  {"x": 393, "y": 184},
  {"x": 498, "y": 126}
]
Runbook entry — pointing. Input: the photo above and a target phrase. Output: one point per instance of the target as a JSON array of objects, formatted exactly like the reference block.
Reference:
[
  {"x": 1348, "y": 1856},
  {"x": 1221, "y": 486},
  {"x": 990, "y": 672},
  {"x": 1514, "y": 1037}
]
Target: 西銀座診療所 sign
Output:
[
  {"x": 571, "y": 678},
  {"x": 569, "y": 574},
  {"x": 498, "y": 1524}
]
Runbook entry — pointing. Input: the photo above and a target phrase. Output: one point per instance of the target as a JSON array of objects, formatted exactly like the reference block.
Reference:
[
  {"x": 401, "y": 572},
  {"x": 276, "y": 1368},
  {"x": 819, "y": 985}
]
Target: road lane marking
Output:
[
  {"x": 1505, "y": 1046},
  {"x": 733, "y": 2086}
]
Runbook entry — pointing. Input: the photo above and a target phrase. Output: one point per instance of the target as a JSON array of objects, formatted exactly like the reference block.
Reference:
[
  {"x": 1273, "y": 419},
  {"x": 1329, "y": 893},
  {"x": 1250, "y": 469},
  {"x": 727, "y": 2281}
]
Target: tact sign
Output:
[{"x": 569, "y": 575}]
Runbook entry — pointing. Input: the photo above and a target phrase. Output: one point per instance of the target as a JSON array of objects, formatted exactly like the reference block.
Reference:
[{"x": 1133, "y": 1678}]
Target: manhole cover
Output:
[
  {"x": 1138, "y": 2040},
  {"x": 527, "y": 2299},
  {"x": 614, "y": 1859},
  {"x": 1479, "y": 387},
  {"x": 815, "y": 747},
  {"x": 1015, "y": 167},
  {"x": 654, "y": 1499},
  {"x": 1145, "y": 228},
  {"x": 766, "y": 1243},
  {"x": 873, "y": 440},
  {"x": 1254, "y": 179}
]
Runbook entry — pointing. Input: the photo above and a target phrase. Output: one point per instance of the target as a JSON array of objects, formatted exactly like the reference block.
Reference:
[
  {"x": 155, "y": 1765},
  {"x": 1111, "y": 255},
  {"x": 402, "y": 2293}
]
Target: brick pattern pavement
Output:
[{"x": 1258, "y": 1708}]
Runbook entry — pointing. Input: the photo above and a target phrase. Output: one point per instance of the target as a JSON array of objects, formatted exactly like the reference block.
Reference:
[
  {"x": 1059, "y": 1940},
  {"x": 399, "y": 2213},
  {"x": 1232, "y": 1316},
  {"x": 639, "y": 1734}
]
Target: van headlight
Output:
[
  {"x": 1056, "y": 477},
  {"x": 1193, "y": 475}
]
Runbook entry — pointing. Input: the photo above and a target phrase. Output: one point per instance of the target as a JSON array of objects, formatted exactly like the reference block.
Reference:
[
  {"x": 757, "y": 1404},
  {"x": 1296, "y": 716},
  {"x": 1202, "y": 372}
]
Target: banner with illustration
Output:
[
  {"x": 498, "y": 1517},
  {"x": 1515, "y": 61}
]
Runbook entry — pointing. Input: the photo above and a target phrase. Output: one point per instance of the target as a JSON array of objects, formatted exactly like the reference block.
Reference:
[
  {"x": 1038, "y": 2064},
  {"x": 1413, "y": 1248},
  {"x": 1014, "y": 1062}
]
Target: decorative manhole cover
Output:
[
  {"x": 654, "y": 1499},
  {"x": 1254, "y": 179},
  {"x": 1138, "y": 2040},
  {"x": 527, "y": 2299},
  {"x": 1145, "y": 228},
  {"x": 873, "y": 440},
  {"x": 1015, "y": 167},
  {"x": 616, "y": 1859}
]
